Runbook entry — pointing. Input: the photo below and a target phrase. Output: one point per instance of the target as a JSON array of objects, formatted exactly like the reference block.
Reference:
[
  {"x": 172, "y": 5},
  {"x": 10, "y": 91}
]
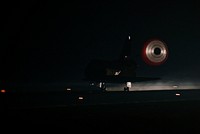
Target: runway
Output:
[
  {"x": 164, "y": 84},
  {"x": 33, "y": 99},
  {"x": 91, "y": 110}
]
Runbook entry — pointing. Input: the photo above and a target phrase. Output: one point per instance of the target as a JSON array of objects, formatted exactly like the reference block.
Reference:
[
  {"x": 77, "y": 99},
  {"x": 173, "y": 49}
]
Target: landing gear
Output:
[
  {"x": 128, "y": 86},
  {"x": 102, "y": 86}
]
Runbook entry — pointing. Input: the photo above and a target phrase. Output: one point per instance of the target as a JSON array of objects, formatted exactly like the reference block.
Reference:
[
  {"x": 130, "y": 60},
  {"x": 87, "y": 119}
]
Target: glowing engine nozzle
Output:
[{"x": 155, "y": 52}]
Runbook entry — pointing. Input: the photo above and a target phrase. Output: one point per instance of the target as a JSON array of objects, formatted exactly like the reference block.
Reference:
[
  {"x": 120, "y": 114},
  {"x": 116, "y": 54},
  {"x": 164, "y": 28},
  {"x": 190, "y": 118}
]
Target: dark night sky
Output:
[{"x": 53, "y": 41}]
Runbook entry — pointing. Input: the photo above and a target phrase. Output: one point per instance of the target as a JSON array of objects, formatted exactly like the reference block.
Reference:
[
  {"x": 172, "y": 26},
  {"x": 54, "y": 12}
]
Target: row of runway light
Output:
[
  {"x": 69, "y": 90},
  {"x": 81, "y": 98}
]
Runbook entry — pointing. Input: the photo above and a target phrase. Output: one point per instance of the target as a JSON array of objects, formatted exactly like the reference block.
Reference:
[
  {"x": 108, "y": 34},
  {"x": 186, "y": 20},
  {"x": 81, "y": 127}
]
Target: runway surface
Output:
[{"x": 97, "y": 111}]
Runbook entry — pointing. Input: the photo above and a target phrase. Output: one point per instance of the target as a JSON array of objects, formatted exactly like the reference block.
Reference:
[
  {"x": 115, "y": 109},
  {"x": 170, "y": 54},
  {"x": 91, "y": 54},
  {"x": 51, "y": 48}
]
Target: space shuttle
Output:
[{"x": 123, "y": 70}]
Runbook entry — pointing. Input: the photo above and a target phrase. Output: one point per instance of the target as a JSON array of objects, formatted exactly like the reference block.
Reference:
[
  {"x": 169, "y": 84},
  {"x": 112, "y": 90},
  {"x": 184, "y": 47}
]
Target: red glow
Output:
[{"x": 3, "y": 90}]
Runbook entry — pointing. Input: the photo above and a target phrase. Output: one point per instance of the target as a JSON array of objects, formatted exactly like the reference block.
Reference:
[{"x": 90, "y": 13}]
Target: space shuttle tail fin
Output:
[{"x": 126, "y": 50}]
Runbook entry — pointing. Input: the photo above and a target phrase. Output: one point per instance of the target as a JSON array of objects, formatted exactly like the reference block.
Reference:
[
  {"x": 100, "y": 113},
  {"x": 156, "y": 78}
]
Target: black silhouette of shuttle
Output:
[{"x": 123, "y": 70}]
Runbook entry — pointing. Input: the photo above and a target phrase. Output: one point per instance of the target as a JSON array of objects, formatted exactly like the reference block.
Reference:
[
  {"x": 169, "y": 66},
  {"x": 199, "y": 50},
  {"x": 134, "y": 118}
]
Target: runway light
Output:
[
  {"x": 80, "y": 98},
  {"x": 68, "y": 89},
  {"x": 177, "y": 94},
  {"x": 3, "y": 91},
  {"x": 175, "y": 86},
  {"x": 92, "y": 84}
]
